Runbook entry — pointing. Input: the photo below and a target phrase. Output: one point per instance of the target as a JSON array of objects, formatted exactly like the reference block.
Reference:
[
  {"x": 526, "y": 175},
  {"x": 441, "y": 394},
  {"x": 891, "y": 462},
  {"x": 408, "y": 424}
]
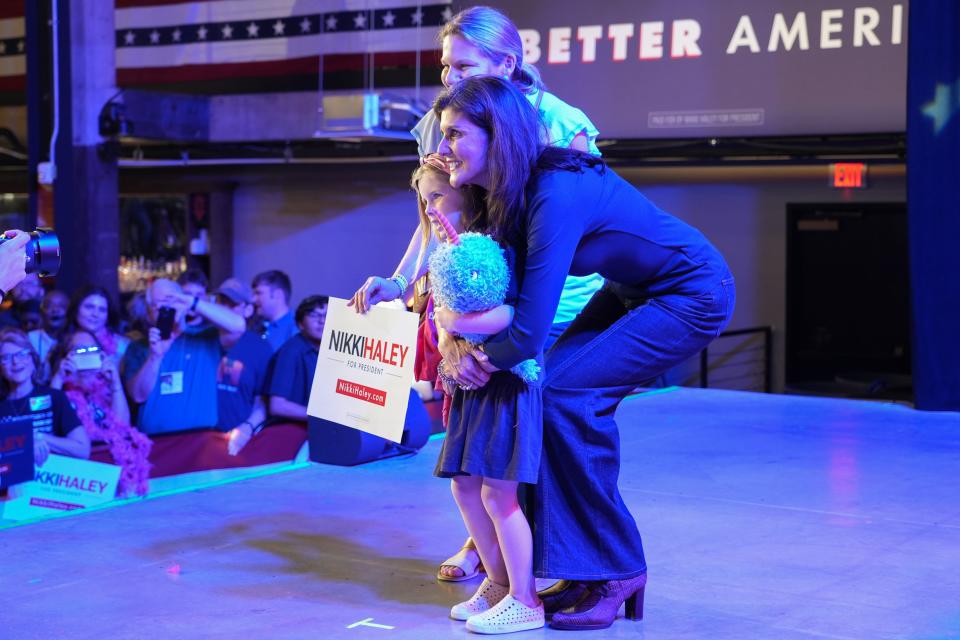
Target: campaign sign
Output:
[
  {"x": 16, "y": 453},
  {"x": 365, "y": 369},
  {"x": 62, "y": 484}
]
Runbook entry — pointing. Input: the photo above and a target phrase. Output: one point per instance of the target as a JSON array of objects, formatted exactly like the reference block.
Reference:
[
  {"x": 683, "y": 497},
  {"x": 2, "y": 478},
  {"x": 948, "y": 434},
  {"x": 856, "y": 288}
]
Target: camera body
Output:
[{"x": 43, "y": 252}]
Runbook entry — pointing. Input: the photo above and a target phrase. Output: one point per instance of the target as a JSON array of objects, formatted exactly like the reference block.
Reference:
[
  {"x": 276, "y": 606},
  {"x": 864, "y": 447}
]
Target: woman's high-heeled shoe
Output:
[{"x": 599, "y": 608}]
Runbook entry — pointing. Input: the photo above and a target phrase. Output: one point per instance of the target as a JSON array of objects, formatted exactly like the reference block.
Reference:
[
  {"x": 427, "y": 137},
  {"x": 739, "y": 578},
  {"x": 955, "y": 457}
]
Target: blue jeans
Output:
[{"x": 583, "y": 529}]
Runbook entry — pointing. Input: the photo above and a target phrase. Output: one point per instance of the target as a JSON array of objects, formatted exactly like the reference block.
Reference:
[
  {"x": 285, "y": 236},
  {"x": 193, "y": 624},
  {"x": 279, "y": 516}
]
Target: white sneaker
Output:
[
  {"x": 508, "y": 616},
  {"x": 489, "y": 594}
]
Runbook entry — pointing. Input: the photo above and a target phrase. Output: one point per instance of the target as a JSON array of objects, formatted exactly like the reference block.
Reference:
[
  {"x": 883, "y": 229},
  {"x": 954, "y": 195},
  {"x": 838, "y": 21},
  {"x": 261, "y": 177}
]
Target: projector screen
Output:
[{"x": 722, "y": 68}]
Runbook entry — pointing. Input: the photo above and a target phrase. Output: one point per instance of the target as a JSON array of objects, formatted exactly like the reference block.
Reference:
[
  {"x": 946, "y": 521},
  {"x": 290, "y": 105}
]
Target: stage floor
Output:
[{"x": 762, "y": 516}]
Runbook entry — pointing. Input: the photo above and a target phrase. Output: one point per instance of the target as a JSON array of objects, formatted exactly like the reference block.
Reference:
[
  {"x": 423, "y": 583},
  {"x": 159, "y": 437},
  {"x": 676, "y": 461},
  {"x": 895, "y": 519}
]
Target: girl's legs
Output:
[
  {"x": 467, "y": 493},
  {"x": 513, "y": 532}
]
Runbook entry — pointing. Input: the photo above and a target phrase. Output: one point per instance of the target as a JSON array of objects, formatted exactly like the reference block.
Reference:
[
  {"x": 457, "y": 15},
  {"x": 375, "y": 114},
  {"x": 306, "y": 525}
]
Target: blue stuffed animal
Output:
[{"x": 470, "y": 273}]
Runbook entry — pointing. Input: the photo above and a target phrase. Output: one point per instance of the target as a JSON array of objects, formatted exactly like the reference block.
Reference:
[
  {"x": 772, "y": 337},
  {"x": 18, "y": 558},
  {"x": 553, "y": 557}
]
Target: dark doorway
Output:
[{"x": 848, "y": 300}]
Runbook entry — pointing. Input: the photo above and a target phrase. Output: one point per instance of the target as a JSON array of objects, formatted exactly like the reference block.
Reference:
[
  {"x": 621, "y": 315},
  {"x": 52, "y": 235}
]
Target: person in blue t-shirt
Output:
[
  {"x": 173, "y": 379},
  {"x": 242, "y": 374},
  {"x": 293, "y": 366}
]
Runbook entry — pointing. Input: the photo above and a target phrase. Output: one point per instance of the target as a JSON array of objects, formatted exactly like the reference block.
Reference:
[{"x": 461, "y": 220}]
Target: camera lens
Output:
[{"x": 43, "y": 253}]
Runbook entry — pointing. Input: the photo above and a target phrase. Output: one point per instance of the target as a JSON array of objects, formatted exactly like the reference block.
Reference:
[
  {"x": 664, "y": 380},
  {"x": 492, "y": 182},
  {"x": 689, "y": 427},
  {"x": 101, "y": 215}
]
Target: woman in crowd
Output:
[
  {"x": 92, "y": 310},
  {"x": 481, "y": 41},
  {"x": 56, "y": 428},
  {"x": 92, "y": 383},
  {"x": 668, "y": 293}
]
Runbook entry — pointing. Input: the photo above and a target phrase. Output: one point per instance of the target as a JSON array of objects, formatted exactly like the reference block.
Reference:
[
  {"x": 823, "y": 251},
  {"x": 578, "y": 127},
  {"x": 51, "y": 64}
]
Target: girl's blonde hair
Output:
[{"x": 472, "y": 208}]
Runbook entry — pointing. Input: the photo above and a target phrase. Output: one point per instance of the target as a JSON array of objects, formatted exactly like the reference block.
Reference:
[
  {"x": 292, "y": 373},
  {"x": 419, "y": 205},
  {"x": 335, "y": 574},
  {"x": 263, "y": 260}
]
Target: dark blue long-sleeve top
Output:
[{"x": 593, "y": 221}]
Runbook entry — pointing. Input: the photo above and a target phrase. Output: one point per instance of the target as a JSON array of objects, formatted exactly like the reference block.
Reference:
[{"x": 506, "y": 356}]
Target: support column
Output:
[{"x": 86, "y": 199}]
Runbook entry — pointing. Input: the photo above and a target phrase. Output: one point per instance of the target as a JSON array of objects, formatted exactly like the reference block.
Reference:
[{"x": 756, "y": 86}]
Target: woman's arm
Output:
[
  {"x": 580, "y": 142},
  {"x": 550, "y": 250},
  {"x": 76, "y": 444},
  {"x": 483, "y": 322}
]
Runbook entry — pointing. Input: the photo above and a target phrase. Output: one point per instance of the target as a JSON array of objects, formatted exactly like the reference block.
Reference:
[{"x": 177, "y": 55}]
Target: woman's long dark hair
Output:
[
  {"x": 113, "y": 316},
  {"x": 514, "y": 152}
]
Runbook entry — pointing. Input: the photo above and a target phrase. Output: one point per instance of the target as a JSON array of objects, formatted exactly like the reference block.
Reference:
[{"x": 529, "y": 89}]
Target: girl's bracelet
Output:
[
  {"x": 401, "y": 281},
  {"x": 443, "y": 376}
]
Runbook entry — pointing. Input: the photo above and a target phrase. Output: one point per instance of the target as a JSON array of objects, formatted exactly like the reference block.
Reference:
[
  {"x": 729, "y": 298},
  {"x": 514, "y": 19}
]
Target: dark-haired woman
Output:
[
  {"x": 92, "y": 310},
  {"x": 668, "y": 293}
]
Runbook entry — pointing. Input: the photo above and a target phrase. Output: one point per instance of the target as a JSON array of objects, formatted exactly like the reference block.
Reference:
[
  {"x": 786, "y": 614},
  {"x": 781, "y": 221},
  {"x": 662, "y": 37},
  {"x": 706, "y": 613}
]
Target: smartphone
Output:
[
  {"x": 87, "y": 358},
  {"x": 165, "y": 316}
]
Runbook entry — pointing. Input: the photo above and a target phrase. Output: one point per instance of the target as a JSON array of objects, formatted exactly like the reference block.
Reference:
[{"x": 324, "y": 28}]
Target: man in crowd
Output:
[
  {"x": 53, "y": 312},
  {"x": 242, "y": 374},
  {"x": 30, "y": 288},
  {"x": 194, "y": 283},
  {"x": 271, "y": 297},
  {"x": 293, "y": 366},
  {"x": 173, "y": 378}
]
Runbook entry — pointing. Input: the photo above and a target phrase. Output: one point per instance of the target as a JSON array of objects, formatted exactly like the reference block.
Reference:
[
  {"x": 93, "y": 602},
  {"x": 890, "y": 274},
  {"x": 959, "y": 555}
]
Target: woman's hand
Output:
[
  {"x": 65, "y": 369},
  {"x": 109, "y": 369},
  {"x": 41, "y": 449},
  {"x": 374, "y": 290},
  {"x": 483, "y": 360},
  {"x": 461, "y": 365}
]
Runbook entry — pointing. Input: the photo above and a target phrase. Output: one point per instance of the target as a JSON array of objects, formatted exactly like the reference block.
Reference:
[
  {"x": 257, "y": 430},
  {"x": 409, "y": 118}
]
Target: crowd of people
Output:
[{"x": 180, "y": 357}]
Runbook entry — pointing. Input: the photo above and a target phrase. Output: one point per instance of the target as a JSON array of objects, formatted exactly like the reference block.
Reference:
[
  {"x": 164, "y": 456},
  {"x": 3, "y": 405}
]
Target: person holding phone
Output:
[
  {"x": 91, "y": 381},
  {"x": 172, "y": 375},
  {"x": 13, "y": 260}
]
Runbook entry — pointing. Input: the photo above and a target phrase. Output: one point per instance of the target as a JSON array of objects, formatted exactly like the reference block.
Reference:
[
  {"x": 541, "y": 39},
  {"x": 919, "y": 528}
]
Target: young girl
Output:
[{"x": 493, "y": 443}]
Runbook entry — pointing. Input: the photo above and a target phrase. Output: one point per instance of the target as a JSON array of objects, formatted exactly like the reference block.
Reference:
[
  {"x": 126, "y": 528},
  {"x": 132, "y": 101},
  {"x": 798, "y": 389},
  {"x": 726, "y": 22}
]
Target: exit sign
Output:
[{"x": 848, "y": 175}]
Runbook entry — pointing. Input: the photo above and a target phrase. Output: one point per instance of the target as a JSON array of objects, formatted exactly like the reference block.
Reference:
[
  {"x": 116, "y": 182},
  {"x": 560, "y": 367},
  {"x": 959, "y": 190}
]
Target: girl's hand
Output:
[
  {"x": 374, "y": 290},
  {"x": 446, "y": 319}
]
